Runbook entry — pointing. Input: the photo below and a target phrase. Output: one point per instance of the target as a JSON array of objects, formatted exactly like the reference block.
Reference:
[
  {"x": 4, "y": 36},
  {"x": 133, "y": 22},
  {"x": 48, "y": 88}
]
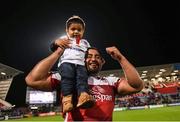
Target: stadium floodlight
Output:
[
  {"x": 175, "y": 71},
  {"x": 142, "y": 76},
  {"x": 160, "y": 73},
  {"x": 167, "y": 77},
  {"x": 145, "y": 80},
  {"x": 3, "y": 73},
  {"x": 145, "y": 71},
  {"x": 157, "y": 76},
  {"x": 162, "y": 70},
  {"x": 153, "y": 79},
  {"x": 174, "y": 76},
  {"x": 160, "y": 79},
  {"x": 111, "y": 75}
]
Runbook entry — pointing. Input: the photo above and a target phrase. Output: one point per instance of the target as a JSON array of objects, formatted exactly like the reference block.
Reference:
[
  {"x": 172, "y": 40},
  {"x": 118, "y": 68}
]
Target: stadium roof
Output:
[
  {"x": 7, "y": 71},
  {"x": 149, "y": 72}
]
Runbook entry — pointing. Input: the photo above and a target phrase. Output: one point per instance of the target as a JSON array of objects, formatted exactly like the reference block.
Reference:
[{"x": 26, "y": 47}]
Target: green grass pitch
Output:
[{"x": 155, "y": 114}]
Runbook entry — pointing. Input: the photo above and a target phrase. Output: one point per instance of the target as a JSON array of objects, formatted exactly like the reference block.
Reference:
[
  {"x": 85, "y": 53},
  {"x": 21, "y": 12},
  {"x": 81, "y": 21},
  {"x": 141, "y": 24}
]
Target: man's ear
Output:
[{"x": 103, "y": 61}]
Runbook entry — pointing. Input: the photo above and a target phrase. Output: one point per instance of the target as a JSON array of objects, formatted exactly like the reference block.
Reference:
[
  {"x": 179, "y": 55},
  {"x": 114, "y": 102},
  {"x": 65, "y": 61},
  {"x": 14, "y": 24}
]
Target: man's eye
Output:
[
  {"x": 89, "y": 57},
  {"x": 98, "y": 57}
]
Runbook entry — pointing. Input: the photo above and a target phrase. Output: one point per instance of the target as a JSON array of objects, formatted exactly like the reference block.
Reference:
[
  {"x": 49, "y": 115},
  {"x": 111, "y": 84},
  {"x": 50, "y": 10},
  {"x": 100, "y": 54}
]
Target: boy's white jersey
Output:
[{"x": 75, "y": 53}]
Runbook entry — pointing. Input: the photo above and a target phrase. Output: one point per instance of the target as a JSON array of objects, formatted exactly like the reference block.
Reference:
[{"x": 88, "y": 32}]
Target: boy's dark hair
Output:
[{"x": 75, "y": 19}]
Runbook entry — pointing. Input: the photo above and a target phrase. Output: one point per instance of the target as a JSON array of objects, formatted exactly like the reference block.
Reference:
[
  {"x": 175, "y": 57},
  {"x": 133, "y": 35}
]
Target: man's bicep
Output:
[
  {"x": 124, "y": 88},
  {"x": 38, "y": 82},
  {"x": 46, "y": 84}
]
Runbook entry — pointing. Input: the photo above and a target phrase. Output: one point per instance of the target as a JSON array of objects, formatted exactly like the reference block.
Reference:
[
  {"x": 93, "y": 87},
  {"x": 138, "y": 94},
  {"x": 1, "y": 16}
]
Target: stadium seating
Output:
[{"x": 4, "y": 87}]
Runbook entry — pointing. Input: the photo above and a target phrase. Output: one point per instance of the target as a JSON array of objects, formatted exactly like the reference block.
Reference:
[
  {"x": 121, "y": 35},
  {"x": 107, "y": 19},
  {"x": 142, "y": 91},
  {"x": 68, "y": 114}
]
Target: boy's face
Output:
[{"x": 75, "y": 30}]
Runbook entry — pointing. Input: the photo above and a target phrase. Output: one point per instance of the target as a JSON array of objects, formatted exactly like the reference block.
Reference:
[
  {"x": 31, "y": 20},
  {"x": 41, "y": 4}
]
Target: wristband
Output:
[{"x": 53, "y": 47}]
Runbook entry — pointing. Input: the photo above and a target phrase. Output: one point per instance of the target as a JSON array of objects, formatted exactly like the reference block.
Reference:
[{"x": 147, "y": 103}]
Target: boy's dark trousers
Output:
[{"x": 73, "y": 76}]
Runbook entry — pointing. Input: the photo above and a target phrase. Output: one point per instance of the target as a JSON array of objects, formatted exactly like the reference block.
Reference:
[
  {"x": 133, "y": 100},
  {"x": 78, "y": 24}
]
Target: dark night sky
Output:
[{"x": 146, "y": 32}]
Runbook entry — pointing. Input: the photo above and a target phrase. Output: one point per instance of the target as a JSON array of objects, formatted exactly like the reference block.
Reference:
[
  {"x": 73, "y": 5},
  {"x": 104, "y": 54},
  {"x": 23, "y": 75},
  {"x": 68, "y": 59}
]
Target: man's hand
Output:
[
  {"x": 63, "y": 43},
  {"x": 115, "y": 53}
]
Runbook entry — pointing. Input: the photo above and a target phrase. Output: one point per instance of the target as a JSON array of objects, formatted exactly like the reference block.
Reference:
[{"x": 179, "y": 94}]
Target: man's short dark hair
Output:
[{"x": 86, "y": 54}]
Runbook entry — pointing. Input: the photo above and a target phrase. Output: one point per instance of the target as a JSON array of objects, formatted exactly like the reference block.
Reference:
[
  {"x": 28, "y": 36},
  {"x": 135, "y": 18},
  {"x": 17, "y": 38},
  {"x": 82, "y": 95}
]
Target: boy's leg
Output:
[
  {"x": 81, "y": 79},
  {"x": 67, "y": 73},
  {"x": 85, "y": 100}
]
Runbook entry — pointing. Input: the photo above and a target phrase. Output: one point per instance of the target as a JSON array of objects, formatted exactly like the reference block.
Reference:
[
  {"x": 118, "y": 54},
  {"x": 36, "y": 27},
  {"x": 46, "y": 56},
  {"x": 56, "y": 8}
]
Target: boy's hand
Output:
[{"x": 64, "y": 43}]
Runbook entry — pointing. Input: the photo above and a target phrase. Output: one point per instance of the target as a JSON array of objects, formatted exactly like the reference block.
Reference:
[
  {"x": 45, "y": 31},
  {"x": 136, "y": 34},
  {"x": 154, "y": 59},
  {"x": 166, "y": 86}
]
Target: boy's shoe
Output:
[
  {"x": 67, "y": 103},
  {"x": 85, "y": 100}
]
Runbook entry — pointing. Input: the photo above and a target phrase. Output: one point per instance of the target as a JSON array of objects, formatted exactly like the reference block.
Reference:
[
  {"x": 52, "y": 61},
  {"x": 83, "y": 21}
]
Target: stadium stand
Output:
[
  {"x": 161, "y": 86},
  {"x": 6, "y": 77},
  {"x": 4, "y": 87}
]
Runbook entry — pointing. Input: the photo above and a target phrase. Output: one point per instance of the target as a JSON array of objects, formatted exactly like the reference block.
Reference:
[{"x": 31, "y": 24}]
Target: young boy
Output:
[{"x": 71, "y": 65}]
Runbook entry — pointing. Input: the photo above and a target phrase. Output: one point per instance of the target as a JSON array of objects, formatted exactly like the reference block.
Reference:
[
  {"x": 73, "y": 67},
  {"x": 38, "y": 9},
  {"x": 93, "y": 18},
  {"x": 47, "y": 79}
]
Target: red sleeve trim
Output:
[{"x": 55, "y": 83}]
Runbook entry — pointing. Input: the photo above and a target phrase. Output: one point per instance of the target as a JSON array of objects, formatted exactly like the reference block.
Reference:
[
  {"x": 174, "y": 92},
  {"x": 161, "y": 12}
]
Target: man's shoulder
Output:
[
  {"x": 112, "y": 78},
  {"x": 55, "y": 75},
  {"x": 55, "y": 79},
  {"x": 102, "y": 80}
]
